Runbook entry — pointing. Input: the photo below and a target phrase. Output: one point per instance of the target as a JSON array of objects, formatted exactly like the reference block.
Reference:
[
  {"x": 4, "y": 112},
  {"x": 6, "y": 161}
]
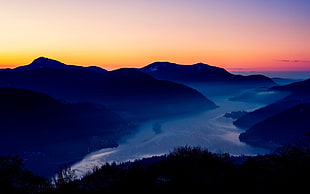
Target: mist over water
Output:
[
  {"x": 209, "y": 130},
  {"x": 297, "y": 75}
]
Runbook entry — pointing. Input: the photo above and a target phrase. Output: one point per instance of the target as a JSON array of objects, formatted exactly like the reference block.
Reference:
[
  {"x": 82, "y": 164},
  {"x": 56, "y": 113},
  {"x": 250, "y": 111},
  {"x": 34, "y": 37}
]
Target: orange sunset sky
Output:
[{"x": 234, "y": 34}]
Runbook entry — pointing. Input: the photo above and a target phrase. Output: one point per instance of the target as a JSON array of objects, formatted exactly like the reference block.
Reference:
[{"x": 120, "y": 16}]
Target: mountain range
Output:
[
  {"x": 61, "y": 112},
  {"x": 53, "y": 114},
  {"x": 200, "y": 72},
  {"x": 43, "y": 62},
  {"x": 214, "y": 80},
  {"x": 127, "y": 91}
]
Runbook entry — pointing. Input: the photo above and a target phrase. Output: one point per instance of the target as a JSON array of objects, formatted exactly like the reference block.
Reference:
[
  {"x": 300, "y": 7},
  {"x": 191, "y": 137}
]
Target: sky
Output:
[{"x": 233, "y": 34}]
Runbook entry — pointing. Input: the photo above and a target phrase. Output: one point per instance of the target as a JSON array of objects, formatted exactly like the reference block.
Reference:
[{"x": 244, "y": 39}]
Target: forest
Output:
[{"x": 184, "y": 170}]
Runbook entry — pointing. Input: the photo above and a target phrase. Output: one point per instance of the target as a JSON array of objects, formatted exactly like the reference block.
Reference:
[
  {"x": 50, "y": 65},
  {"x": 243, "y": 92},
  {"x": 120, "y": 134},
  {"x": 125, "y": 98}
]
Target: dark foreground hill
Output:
[
  {"x": 287, "y": 127},
  {"x": 299, "y": 93},
  {"x": 282, "y": 122},
  {"x": 184, "y": 170},
  {"x": 49, "y": 134},
  {"x": 128, "y": 91}
]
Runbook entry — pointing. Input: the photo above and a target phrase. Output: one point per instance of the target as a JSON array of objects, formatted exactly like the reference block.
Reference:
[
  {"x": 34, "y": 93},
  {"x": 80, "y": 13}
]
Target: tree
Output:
[{"x": 15, "y": 179}]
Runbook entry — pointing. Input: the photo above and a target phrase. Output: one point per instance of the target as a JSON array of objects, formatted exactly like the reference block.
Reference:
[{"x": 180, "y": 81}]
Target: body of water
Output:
[{"x": 209, "y": 130}]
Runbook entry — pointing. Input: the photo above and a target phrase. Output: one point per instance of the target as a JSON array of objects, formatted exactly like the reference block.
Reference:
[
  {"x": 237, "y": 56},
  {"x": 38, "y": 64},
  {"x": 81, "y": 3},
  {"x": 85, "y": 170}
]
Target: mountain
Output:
[
  {"x": 299, "y": 92},
  {"x": 186, "y": 73},
  {"x": 282, "y": 122},
  {"x": 43, "y": 62},
  {"x": 287, "y": 127},
  {"x": 206, "y": 74},
  {"x": 49, "y": 134},
  {"x": 301, "y": 87},
  {"x": 128, "y": 91},
  {"x": 284, "y": 81},
  {"x": 144, "y": 91}
]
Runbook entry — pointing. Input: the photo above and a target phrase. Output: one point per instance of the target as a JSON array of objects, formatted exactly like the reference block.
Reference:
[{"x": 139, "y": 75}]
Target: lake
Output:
[{"x": 209, "y": 130}]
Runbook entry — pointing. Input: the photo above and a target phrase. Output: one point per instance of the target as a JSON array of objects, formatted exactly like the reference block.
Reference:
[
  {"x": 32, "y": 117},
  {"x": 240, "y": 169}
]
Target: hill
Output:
[
  {"x": 282, "y": 122},
  {"x": 301, "y": 87},
  {"x": 287, "y": 127},
  {"x": 43, "y": 62},
  {"x": 299, "y": 92},
  {"x": 202, "y": 76},
  {"x": 49, "y": 134},
  {"x": 184, "y": 170},
  {"x": 128, "y": 91}
]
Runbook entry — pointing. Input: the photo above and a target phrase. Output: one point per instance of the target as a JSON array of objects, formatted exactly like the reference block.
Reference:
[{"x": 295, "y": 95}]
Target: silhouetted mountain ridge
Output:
[
  {"x": 43, "y": 62},
  {"x": 126, "y": 90},
  {"x": 200, "y": 72}
]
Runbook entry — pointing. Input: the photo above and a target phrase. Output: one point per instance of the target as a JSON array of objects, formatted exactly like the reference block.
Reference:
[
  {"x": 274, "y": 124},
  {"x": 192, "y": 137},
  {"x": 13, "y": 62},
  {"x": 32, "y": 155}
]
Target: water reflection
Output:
[{"x": 209, "y": 130}]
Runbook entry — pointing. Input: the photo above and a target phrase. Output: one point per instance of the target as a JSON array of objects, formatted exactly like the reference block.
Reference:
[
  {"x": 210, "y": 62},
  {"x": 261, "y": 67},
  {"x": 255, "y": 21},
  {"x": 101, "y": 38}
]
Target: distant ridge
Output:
[
  {"x": 177, "y": 72},
  {"x": 127, "y": 90},
  {"x": 201, "y": 72},
  {"x": 299, "y": 93},
  {"x": 43, "y": 62},
  {"x": 297, "y": 87}
]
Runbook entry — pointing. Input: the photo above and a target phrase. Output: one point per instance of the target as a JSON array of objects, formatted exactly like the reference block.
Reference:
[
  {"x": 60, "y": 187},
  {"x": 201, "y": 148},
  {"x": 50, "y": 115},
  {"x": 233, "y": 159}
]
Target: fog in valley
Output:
[
  {"x": 104, "y": 116},
  {"x": 209, "y": 129}
]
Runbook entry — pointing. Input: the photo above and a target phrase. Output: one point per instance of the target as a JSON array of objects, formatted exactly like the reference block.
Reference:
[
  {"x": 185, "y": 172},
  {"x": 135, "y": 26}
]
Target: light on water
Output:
[{"x": 209, "y": 130}]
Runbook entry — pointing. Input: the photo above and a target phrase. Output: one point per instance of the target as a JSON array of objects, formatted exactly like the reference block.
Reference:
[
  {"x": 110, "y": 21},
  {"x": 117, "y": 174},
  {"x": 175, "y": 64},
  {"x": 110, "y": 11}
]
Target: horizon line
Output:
[{"x": 230, "y": 69}]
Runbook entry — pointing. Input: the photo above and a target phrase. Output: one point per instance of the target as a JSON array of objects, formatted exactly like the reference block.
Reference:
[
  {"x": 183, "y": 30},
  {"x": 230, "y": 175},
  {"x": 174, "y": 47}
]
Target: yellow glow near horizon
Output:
[{"x": 254, "y": 34}]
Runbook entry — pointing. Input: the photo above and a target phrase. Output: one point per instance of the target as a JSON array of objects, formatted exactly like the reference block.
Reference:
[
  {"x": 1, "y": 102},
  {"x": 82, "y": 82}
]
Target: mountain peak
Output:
[
  {"x": 46, "y": 62},
  {"x": 206, "y": 67},
  {"x": 164, "y": 66},
  {"x": 201, "y": 72},
  {"x": 200, "y": 64},
  {"x": 163, "y": 63},
  {"x": 157, "y": 65},
  {"x": 42, "y": 58},
  {"x": 43, "y": 62}
]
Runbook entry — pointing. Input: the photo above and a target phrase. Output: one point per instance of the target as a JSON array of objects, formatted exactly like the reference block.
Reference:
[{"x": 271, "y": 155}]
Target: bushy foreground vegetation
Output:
[{"x": 186, "y": 169}]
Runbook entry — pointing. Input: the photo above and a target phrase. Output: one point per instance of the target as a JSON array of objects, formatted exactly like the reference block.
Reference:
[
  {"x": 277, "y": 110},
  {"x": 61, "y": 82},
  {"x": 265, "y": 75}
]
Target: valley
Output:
[
  {"x": 209, "y": 129},
  {"x": 55, "y": 114}
]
